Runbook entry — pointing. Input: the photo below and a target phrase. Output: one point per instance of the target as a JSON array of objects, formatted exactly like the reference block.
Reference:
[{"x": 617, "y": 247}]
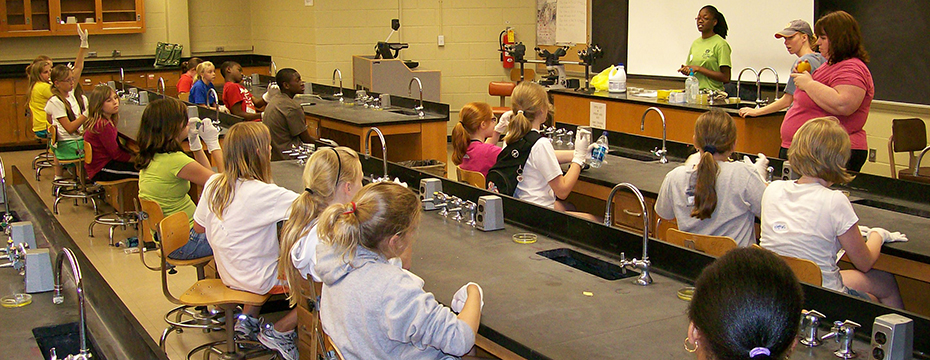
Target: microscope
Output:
[{"x": 555, "y": 79}]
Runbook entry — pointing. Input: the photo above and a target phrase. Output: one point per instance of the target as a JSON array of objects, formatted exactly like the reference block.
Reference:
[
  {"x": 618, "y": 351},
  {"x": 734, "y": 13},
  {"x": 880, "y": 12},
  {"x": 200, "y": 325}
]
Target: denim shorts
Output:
[
  {"x": 858, "y": 294},
  {"x": 197, "y": 247}
]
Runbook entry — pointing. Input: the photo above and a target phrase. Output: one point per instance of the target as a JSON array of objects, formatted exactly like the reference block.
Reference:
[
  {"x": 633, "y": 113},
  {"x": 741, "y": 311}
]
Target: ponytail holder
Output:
[
  {"x": 759, "y": 351},
  {"x": 310, "y": 191},
  {"x": 350, "y": 211},
  {"x": 519, "y": 112},
  {"x": 711, "y": 149}
]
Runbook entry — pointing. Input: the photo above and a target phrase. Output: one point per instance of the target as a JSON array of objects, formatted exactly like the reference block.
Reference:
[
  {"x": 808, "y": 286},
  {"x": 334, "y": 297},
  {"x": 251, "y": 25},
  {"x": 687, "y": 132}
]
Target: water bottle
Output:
[
  {"x": 616, "y": 80},
  {"x": 599, "y": 151},
  {"x": 692, "y": 88}
]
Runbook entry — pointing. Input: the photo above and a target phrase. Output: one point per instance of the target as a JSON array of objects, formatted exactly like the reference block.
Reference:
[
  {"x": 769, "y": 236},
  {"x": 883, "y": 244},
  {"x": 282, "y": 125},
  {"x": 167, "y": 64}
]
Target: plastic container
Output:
[
  {"x": 692, "y": 88},
  {"x": 616, "y": 81},
  {"x": 599, "y": 152}
]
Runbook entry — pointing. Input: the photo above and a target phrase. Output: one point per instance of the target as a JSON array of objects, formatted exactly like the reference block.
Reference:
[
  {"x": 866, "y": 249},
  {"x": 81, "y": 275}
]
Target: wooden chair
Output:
[
  {"x": 529, "y": 74},
  {"x": 119, "y": 194},
  {"x": 68, "y": 188},
  {"x": 502, "y": 89},
  {"x": 175, "y": 232},
  {"x": 185, "y": 96},
  {"x": 908, "y": 135},
  {"x": 662, "y": 226},
  {"x": 708, "y": 244},
  {"x": 806, "y": 271},
  {"x": 313, "y": 343},
  {"x": 472, "y": 178},
  {"x": 149, "y": 215}
]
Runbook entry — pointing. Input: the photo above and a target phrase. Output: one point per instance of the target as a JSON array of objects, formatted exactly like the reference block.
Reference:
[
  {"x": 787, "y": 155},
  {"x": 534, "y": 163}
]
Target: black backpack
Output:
[{"x": 508, "y": 170}]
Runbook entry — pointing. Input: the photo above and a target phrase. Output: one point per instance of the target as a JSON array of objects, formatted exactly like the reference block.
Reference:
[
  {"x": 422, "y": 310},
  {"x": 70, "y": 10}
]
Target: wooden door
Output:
[
  {"x": 8, "y": 126},
  {"x": 67, "y": 13},
  {"x": 23, "y": 122},
  {"x": 26, "y": 16}
]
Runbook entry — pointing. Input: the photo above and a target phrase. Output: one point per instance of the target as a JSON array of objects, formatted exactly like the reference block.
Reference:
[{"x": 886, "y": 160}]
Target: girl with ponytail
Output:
[
  {"x": 40, "y": 86},
  {"x": 332, "y": 176},
  {"x": 369, "y": 306},
  {"x": 474, "y": 138},
  {"x": 67, "y": 108},
  {"x": 716, "y": 196}
]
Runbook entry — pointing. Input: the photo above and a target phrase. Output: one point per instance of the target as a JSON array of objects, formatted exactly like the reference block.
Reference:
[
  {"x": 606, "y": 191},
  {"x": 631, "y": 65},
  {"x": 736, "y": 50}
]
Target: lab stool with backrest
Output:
[
  {"x": 473, "y": 178},
  {"x": 174, "y": 231},
  {"x": 807, "y": 271},
  {"x": 908, "y": 135},
  {"x": 501, "y": 89},
  {"x": 44, "y": 160},
  {"x": 73, "y": 189},
  {"x": 120, "y": 195},
  {"x": 708, "y": 244}
]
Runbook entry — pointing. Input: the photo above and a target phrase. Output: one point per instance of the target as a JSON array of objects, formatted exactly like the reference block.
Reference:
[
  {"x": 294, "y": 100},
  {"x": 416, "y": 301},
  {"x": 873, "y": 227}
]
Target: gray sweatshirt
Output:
[{"x": 375, "y": 310}]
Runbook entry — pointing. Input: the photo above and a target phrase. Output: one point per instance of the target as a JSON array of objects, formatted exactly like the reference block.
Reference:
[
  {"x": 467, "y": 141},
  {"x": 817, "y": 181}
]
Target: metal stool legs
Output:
[{"x": 232, "y": 345}]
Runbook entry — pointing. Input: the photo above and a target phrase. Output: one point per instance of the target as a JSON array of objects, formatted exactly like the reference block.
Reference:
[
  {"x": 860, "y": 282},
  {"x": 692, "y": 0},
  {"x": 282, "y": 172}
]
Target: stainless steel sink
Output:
[
  {"x": 588, "y": 264},
  {"x": 402, "y": 111},
  {"x": 65, "y": 339},
  {"x": 893, "y": 207},
  {"x": 633, "y": 155}
]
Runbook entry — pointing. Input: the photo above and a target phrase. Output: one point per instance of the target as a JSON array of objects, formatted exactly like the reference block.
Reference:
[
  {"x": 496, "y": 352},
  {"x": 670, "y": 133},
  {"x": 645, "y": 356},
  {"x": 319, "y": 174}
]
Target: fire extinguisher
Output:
[{"x": 507, "y": 37}]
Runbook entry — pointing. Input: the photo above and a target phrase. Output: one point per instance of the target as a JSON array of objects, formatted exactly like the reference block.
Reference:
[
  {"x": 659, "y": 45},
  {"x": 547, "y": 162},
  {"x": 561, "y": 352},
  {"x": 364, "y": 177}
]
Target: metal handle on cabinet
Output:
[{"x": 630, "y": 213}]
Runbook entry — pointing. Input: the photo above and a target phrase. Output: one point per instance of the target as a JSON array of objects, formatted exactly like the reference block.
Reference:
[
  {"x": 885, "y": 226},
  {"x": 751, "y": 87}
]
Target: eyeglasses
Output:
[{"x": 69, "y": 80}]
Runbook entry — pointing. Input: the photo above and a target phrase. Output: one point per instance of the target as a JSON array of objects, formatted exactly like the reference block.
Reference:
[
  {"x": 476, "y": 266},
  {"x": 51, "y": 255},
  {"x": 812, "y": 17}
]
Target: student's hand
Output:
[
  {"x": 886, "y": 235},
  {"x": 748, "y": 111},
  {"x": 802, "y": 80},
  {"x": 458, "y": 300},
  {"x": 273, "y": 90},
  {"x": 761, "y": 165},
  {"x": 224, "y": 109},
  {"x": 193, "y": 134},
  {"x": 83, "y": 35},
  {"x": 210, "y": 135},
  {"x": 503, "y": 122},
  {"x": 583, "y": 146}
]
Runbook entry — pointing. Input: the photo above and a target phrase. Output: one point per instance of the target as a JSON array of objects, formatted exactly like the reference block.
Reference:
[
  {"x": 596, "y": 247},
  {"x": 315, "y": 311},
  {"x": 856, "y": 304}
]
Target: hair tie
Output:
[
  {"x": 519, "y": 112},
  {"x": 350, "y": 211},
  {"x": 711, "y": 149},
  {"x": 759, "y": 351},
  {"x": 309, "y": 190}
]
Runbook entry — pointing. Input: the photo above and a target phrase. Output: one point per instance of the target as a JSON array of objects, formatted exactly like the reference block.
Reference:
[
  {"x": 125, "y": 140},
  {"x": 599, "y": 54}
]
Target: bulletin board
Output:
[{"x": 561, "y": 22}]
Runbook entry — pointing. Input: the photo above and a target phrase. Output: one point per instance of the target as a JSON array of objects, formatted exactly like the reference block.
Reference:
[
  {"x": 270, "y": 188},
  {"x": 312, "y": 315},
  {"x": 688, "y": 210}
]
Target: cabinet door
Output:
[
  {"x": 67, "y": 13},
  {"x": 88, "y": 82},
  {"x": 628, "y": 214},
  {"x": 23, "y": 122},
  {"x": 8, "y": 126},
  {"x": 26, "y": 17},
  {"x": 121, "y": 14}
]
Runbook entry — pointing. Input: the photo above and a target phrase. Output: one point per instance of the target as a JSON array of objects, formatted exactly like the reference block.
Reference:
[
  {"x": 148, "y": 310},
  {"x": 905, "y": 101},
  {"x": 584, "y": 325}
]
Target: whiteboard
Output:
[{"x": 661, "y": 32}]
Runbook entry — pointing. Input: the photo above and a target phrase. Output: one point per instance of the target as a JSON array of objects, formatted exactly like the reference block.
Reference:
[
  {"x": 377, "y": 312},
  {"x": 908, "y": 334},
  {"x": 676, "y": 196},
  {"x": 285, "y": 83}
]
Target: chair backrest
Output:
[
  {"x": 662, "y": 226},
  {"x": 806, "y": 271},
  {"x": 473, "y": 178},
  {"x": 708, "y": 244},
  {"x": 52, "y": 135},
  {"x": 502, "y": 89},
  {"x": 185, "y": 96},
  {"x": 149, "y": 222},
  {"x": 174, "y": 232},
  {"x": 88, "y": 152},
  {"x": 529, "y": 74},
  {"x": 907, "y": 135}
]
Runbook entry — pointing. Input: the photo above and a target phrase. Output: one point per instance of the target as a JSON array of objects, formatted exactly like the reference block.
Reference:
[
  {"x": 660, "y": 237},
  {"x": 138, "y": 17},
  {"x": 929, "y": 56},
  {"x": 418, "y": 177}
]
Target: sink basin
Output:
[
  {"x": 633, "y": 155},
  {"x": 588, "y": 264},
  {"x": 733, "y": 106},
  {"x": 893, "y": 207},
  {"x": 403, "y": 111},
  {"x": 65, "y": 338}
]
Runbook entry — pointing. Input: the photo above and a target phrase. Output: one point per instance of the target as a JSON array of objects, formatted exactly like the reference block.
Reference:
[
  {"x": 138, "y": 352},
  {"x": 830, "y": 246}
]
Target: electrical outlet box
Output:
[
  {"x": 116, "y": 53},
  {"x": 441, "y": 40},
  {"x": 220, "y": 49},
  {"x": 872, "y": 153},
  {"x": 91, "y": 54}
]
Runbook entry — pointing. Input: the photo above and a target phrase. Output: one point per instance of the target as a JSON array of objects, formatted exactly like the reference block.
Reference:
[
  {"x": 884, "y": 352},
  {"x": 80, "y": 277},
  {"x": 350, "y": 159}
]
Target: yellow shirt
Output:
[{"x": 41, "y": 92}]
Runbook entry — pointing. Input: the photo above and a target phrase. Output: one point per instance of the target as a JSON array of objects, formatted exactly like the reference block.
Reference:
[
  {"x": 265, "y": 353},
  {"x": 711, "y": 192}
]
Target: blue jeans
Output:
[{"x": 196, "y": 247}]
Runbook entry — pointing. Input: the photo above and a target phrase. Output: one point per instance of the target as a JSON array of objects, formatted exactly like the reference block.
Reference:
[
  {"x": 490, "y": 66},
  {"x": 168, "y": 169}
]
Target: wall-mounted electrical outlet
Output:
[
  {"x": 116, "y": 53},
  {"x": 441, "y": 40},
  {"x": 91, "y": 54},
  {"x": 872, "y": 154},
  {"x": 220, "y": 49}
]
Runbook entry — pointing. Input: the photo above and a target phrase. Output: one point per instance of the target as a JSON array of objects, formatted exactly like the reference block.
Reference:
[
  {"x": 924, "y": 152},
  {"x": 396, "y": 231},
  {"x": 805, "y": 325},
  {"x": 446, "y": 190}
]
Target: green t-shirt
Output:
[
  {"x": 159, "y": 182},
  {"x": 711, "y": 53}
]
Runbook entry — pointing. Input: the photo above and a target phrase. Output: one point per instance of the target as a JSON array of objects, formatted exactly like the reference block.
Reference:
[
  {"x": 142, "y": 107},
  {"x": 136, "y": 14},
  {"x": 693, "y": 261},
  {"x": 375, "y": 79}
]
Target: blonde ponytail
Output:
[{"x": 527, "y": 100}]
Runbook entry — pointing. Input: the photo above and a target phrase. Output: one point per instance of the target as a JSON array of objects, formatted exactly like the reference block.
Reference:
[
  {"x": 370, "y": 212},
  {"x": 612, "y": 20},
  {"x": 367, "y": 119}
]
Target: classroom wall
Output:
[{"x": 220, "y": 23}]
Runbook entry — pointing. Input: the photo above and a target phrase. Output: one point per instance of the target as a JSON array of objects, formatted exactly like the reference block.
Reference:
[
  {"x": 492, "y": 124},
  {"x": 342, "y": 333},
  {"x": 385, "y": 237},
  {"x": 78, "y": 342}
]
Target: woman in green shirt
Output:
[{"x": 709, "y": 57}]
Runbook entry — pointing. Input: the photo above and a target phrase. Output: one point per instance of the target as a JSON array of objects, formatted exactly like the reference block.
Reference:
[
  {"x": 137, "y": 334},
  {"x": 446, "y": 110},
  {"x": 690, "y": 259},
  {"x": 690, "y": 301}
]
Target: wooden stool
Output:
[
  {"x": 473, "y": 178},
  {"x": 174, "y": 231},
  {"x": 119, "y": 194},
  {"x": 807, "y": 271},
  {"x": 708, "y": 244}
]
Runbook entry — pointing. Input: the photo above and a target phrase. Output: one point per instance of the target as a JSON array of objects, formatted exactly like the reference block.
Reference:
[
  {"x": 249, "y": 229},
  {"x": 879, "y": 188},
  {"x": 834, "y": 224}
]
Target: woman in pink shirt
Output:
[
  {"x": 841, "y": 88},
  {"x": 474, "y": 139}
]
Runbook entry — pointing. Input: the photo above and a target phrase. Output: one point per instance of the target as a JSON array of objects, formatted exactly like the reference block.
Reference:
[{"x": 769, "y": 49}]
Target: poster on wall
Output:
[{"x": 545, "y": 22}]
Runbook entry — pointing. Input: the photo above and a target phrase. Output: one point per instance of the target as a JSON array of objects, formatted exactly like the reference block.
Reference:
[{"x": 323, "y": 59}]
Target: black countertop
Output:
[
  {"x": 649, "y": 101},
  {"x": 112, "y": 65}
]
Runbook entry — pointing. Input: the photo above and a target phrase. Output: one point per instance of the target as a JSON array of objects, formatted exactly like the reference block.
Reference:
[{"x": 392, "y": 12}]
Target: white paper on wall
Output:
[{"x": 598, "y": 118}]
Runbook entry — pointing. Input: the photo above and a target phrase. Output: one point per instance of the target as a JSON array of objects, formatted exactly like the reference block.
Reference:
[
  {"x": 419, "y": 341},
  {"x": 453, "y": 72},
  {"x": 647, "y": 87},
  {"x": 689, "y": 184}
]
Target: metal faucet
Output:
[
  {"x": 7, "y": 216},
  {"x": 59, "y": 299},
  {"x": 644, "y": 264},
  {"x": 642, "y": 127},
  {"x": 161, "y": 86},
  {"x": 471, "y": 209},
  {"x": 419, "y": 108},
  {"x": 122, "y": 83},
  {"x": 274, "y": 68},
  {"x": 916, "y": 166},
  {"x": 216, "y": 101},
  {"x": 843, "y": 332},
  {"x": 759, "y": 85},
  {"x": 810, "y": 322},
  {"x": 440, "y": 200},
  {"x": 457, "y": 208},
  {"x": 383, "y": 151},
  {"x": 740, "y": 77},
  {"x": 339, "y": 94}
]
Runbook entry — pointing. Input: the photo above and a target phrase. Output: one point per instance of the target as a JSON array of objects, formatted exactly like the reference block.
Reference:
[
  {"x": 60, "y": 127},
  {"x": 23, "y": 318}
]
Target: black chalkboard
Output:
[
  {"x": 896, "y": 35},
  {"x": 897, "y": 38}
]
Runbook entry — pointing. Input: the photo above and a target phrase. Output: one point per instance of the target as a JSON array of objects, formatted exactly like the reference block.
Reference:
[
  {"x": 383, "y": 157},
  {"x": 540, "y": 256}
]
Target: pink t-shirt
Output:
[
  {"x": 847, "y": 72},
  {"x": 480, "y": 157}
]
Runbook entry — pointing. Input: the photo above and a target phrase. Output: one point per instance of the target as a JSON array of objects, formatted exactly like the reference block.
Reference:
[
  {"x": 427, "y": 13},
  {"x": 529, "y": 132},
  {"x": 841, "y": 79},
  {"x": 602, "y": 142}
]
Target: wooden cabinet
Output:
[
  {"x": 22, "y": 18},
  {"x": 313, "y": 125},
  {"x": 628, "y": 214},
  {"x": 15, "y": 126}
]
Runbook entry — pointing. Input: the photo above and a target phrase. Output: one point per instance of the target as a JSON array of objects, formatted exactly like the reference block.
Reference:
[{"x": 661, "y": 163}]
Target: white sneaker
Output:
[
  {"x": 247, "y": 327},
  {"x": 284, "y": 343}
]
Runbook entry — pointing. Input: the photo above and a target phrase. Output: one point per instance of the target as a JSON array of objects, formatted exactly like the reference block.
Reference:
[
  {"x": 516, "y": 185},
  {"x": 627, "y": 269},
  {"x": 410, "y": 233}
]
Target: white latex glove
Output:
[
  {"x": 327, "y": 142},
  {"x": 694, "y": 160},
  {"x": 761, "y": 165},
  {"x": 273, "y": 90},
  {"x": 583, "y": 146},
  {"x": 224, "y": 109},
  {"x": 886, "y": 235},
  {"x": 458, "y": 300},
  {"x": 210, "y": 135},
  {"x": 83, "y": 35},
  {"x": 193, "y": 134},
  {"x": 503, "y": 122}
]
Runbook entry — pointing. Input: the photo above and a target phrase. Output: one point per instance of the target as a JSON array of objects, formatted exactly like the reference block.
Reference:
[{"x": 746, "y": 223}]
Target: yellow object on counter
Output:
[
  {"x": 663, "y": 94},
  {"x": 524, "y": 238}
]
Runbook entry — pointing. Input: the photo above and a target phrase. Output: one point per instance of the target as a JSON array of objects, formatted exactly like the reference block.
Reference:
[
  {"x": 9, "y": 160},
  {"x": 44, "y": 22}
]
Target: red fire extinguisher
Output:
[{"x": 507, "y": 37}]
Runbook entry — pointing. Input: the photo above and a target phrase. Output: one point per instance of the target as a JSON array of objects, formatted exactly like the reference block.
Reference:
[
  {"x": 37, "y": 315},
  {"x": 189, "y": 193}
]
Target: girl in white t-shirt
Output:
[
  {"x": 67, "y": 111},
  {"x": 332, "y": 176},
  {"x": 239, "y": 210},
  {"x": 543, "y": 183},
  {"x": 808, "y": 220}
]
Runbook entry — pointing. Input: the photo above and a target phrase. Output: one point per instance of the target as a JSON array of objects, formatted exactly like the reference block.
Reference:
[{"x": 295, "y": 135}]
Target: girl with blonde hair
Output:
[
  {"x": 67, "y": 110},
  {"x": 808, "y": 220},
  {"x": 474, "y": 138},
  {"x": 369, "y": 306},
  {"x": 239, "y": 210},
  {"x": 203, "y": 83},
  {"x": 715, "y": 196},
  {"x": 110, "y": 160}
]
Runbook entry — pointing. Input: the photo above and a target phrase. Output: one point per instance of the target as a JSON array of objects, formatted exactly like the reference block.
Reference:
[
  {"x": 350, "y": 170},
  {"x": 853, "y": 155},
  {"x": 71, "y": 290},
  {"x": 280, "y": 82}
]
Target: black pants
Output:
[
  {"x": 856, "y": 159},
  {"x": 116, "y": 170}
]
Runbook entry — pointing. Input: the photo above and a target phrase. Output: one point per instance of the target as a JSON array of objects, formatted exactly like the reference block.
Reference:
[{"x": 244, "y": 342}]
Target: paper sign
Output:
[{"x": 598, "y": 118}]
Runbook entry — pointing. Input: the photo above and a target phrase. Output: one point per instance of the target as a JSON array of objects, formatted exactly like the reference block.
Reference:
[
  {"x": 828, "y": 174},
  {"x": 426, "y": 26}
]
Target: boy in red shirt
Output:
[{"x": 237, "y": 98}]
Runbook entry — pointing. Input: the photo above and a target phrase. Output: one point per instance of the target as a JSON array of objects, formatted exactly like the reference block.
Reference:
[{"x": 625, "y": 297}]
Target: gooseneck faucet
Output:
[
  {"x": 740, "y": 77},
  {"x": 59, "y": 299},
  {"x": 642, "y": 127},
  {"x": 161, "y": 86},
  {"x": 274, "y": 68},
  {"x": 216, "y": 101},
  {"x": 644, "y": 264},
  {"x": 339, "y": 94},
  {"x": 759, "y": 85},
  {"x": 383, "y": 151},
  {"x": 919, "y": 159},
  {"x": 122, "y": 83},
  {"x": 419, "y": 108}
]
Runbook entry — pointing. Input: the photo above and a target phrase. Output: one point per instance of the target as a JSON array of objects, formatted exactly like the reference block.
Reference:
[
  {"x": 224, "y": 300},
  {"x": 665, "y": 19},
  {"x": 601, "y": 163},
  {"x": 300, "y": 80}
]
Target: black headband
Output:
[{"x": 339, "y": 166}]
